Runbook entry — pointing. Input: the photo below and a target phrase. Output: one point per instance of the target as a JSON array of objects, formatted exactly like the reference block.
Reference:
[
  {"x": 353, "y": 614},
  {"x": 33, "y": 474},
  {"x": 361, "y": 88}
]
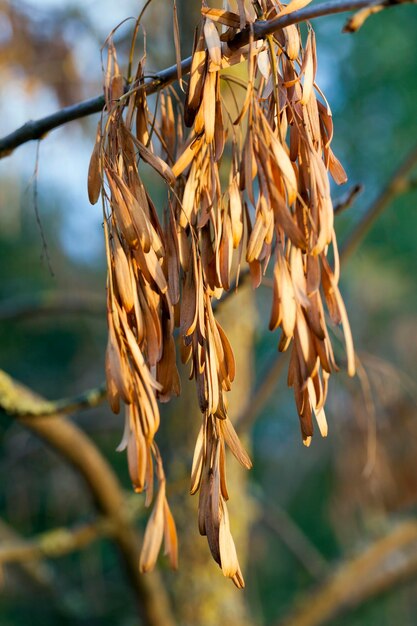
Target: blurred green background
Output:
[{"x": 307, "y": 511}]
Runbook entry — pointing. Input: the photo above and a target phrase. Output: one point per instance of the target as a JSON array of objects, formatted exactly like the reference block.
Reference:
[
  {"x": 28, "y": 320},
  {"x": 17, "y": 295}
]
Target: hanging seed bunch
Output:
[
  {"x": 245, "y": 162},
  {"x": 140, "y": 356}
]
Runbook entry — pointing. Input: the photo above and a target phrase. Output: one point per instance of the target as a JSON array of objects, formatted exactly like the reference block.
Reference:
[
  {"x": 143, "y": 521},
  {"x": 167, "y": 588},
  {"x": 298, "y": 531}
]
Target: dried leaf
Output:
[
  {"x": 222, "y": 17},
  {"x": 94, "y": 175},
  {"x": 213, "y": 43},
  {"x": 233, "y": 441},
  {"x": 294, "y": 5},
  {"x": 153, "y": 534}
]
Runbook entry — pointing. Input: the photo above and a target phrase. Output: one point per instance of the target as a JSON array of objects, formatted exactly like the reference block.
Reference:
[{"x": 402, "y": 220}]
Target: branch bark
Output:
[
  {"x": 78, "y": 450},
  {"x": 37, "y": 129}
]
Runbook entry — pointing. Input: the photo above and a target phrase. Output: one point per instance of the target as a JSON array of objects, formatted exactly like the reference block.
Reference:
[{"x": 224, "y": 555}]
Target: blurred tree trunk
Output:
[{"x": 201, "y": 594}]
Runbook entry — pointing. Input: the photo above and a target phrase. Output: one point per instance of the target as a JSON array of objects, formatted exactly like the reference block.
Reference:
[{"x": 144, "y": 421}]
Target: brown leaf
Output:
[
  {"x": 228, "y": 556},
  {"x": 153, "y": 534},
  {"x": 209, "y": 105},
  {"x": 196, "y": 81},
  {"x": 197, "y": 465},
  {"x": 136, "y": 458},
  {"x": 123, "y": 275},
  {"x": 232, "y": 440},
  {"x": 294, "y": 5},
  {"x": 307, "y": 68},
  {"x": 336, "y": 169},
  {"x": 177, "y": 41},
  {"x": 213, "y": 43},
  {"x": 94, "y": 174},
  {"x": 170, "y": 537},
  {"x": 358, "y": 19},
  {"x": 222, "y": 17}
]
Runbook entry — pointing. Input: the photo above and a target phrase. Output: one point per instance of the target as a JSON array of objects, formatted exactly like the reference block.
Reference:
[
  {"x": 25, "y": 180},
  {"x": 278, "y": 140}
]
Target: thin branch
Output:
[
  {"x": 77, "y": 449},
  {"x": 35, "y": 178},
  {"x": 59, "y": 542},
  {"x": 51, "y": 302},
  {"x": 37, "y": 129},
  {"x": 397, "y": 185},
  {"x": 262, "y": 393},
  {"x": 278, "y": 520},
  {"x": 51, "y": 544},
  {"x": 262, "y": 28},
  {"x": 385, "y": 563},
  {"x": 39, "y": 573},
  {"x": 346, "y": 201}
]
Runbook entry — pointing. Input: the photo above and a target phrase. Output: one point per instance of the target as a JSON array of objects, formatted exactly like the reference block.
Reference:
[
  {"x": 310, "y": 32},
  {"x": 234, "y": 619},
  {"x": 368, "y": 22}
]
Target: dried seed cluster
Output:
[{"x": 250, "y": 178}]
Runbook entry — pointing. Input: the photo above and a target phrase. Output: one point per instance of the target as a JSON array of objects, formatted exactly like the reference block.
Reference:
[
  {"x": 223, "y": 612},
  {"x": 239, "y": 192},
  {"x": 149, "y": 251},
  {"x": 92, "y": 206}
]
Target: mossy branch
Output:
[
  {"x": 16, "y": 405},
  {"x": 73, "y": 445}
]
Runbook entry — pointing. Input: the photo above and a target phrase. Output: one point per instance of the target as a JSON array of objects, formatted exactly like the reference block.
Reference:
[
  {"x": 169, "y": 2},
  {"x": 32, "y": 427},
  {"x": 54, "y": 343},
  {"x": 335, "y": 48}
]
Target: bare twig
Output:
[
  {"x": 348, "y": 199},
  {"x": 385, "y": 563},
  {"x": 78, "y": 450},
  {"x": 35, "y": 178},
  {"x": 37, "y": 129},
  {"x": 397, "y": 185}
]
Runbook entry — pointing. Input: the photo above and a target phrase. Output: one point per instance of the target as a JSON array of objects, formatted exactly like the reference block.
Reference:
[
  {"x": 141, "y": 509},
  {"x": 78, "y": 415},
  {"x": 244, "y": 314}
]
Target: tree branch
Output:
[
  {"x": 262, "y": 393},
  {"x": 39, "y": 573},
  {"x": 346, "y": 201},
  {"x": 278, "y": 520},
  {"x": 385, "y": 563},
  {"x": 62, "y": 541},
  {"x": 78, "y": 450},
  {"x": 50, "y": 302},
  {"x": 25, "y": 407},
  {"x": 37, "y": 129},
  {"x": 397, "y": 185},
  {"x": 52, "y": 544}
]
